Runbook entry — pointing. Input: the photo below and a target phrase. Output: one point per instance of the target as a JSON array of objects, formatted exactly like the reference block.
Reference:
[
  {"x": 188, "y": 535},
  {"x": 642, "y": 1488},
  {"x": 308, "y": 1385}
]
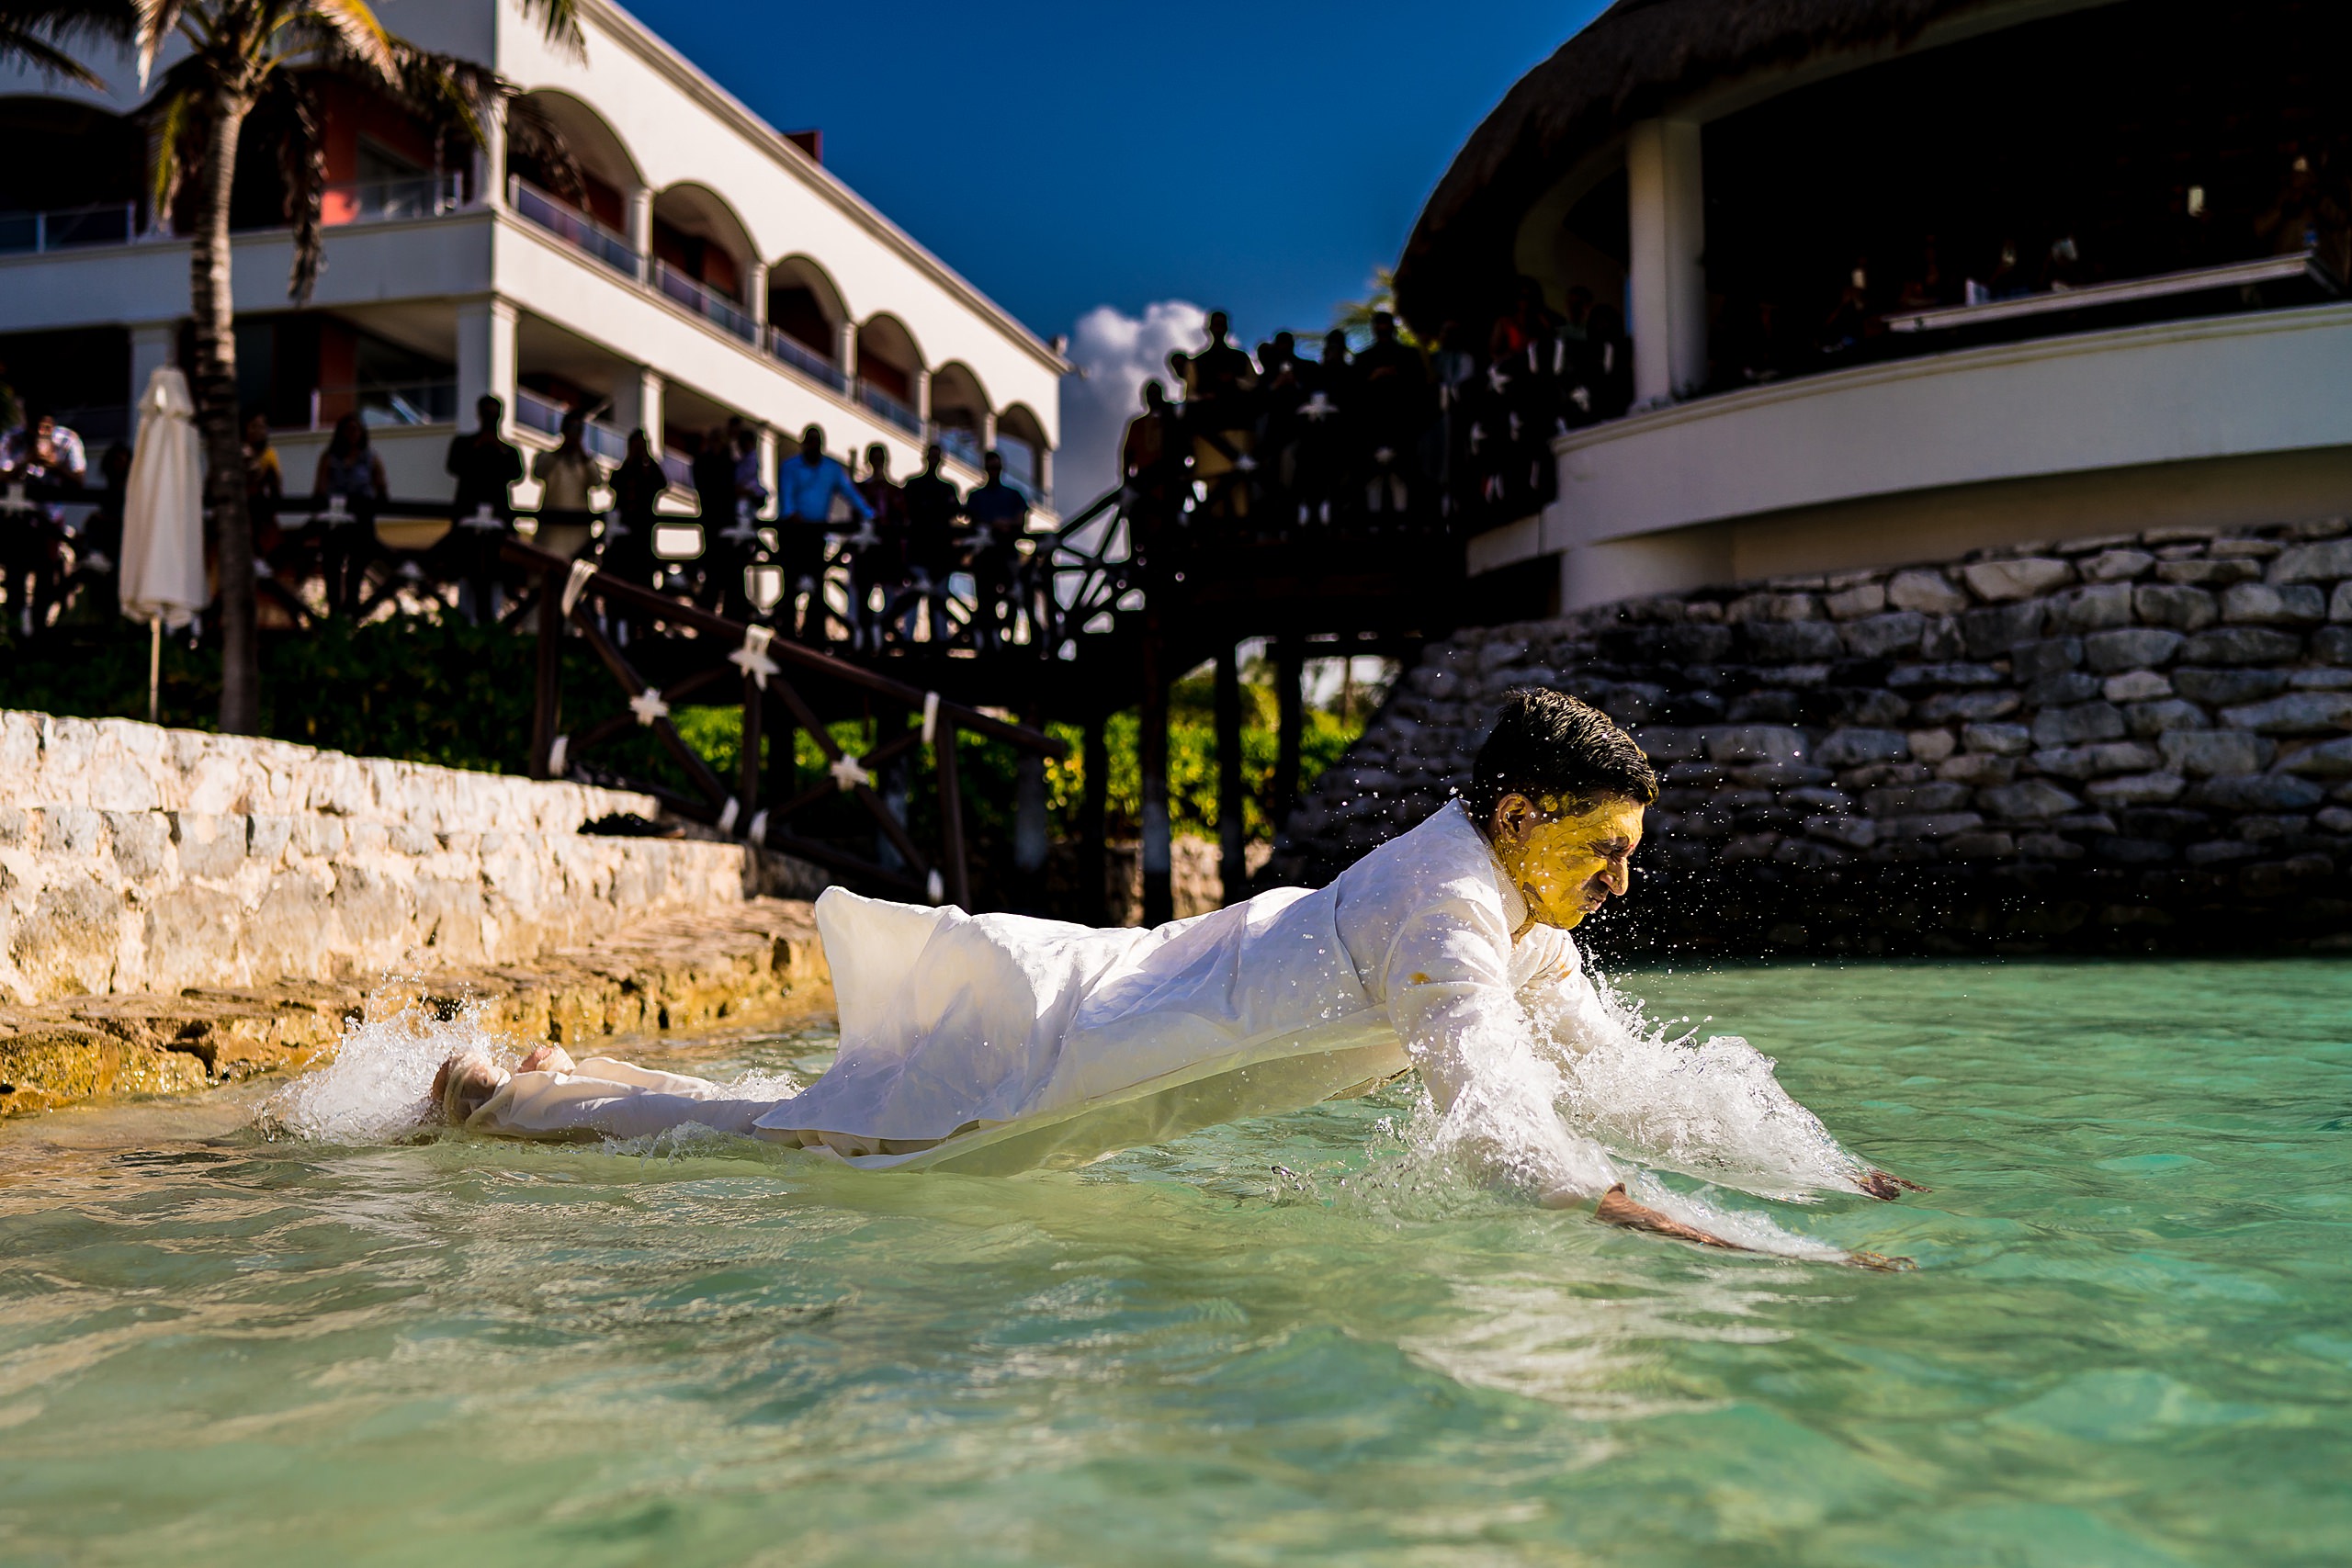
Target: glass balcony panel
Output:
[
  {"x": 806, "y": 360},
  {"x": 572, "y": 226}
]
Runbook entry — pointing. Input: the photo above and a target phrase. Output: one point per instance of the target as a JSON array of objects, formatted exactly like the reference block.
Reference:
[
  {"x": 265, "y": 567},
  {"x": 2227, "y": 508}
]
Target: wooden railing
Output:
[{"x": 783, "y": 686}]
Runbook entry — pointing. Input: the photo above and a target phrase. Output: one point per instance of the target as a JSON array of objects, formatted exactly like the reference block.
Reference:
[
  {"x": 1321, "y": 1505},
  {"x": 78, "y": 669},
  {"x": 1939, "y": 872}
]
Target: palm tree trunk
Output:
[{"x": 216, "y": 412}]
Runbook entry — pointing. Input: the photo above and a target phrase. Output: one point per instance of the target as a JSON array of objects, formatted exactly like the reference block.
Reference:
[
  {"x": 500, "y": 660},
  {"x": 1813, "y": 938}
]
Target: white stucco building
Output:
[
  {"x": 1904, "y": 279},
  {"x": 708, "y": 267}
]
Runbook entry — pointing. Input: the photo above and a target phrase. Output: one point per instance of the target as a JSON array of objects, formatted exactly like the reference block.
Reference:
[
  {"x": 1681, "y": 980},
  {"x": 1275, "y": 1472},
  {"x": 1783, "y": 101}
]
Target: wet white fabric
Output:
[{"x": 998, "y": 1043}]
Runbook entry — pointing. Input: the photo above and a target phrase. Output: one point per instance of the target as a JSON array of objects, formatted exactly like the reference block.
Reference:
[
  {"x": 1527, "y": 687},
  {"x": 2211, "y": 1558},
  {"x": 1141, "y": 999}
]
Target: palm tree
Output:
[{"x": 246, "y": 56}]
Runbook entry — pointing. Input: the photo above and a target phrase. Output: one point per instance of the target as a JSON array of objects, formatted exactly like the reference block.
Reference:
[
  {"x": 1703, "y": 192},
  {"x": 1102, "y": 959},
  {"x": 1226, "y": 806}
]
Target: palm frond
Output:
[
  {"x": 348, "y": 30},
  {"x": 156, "y": 20},
  {"x": 559, "y": 24},
  {"x": 302, "y": 165},
  {"x": 176, "y": 131},
  {"x": 41, "y": 34}
]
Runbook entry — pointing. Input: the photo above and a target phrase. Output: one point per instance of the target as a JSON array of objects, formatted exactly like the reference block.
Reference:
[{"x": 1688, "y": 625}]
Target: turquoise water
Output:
[{"x": 2129, "y": 1340}]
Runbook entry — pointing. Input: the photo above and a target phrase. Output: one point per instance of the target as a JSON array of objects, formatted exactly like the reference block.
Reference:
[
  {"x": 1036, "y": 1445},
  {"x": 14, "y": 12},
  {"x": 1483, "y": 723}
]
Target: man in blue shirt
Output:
[
  {"x": 999, "y": 516},
  {"x": 812, "y": 491}
]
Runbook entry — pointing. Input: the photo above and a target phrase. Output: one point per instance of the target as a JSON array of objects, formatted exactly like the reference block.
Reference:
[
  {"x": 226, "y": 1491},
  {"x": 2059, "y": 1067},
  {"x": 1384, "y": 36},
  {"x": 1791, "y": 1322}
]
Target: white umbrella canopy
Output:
[{"x": 163, "y": 511}]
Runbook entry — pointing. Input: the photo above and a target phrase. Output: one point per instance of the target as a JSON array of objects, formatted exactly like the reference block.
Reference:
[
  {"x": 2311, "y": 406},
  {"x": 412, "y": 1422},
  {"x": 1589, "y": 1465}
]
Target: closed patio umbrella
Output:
[{"x": 162, "y": 519}]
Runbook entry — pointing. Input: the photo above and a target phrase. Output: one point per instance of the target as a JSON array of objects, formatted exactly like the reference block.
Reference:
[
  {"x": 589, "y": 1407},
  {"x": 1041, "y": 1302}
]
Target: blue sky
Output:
[{"x": 1253, "y": 154}]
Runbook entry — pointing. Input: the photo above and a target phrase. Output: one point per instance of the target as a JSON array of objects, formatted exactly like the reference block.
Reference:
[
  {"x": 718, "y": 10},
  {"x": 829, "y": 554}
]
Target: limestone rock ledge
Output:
[{"x": 754, "y": 962}]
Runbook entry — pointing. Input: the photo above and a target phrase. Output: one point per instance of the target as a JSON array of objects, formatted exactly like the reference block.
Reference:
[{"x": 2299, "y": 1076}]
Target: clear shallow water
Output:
[{"x": 2130, "y": 1341}]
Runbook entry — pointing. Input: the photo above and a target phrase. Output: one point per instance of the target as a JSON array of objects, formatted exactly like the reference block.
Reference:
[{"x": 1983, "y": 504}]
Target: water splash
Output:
[
  {"x": 1708, "y": 1107},
  {"x": 379, "y": 1087}
]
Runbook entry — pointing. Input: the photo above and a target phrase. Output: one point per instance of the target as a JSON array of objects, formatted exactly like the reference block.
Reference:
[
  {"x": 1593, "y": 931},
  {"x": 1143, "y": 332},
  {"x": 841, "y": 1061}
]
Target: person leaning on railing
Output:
[
  {"x": 932, "y": 506},
  {"x": 625, "y": 551},
  {"x": 566, "y": 517},
  {"x": 485, "y": 465},
  {"x": 999, "y": 516},
  {"x": 813, "y": 493}
]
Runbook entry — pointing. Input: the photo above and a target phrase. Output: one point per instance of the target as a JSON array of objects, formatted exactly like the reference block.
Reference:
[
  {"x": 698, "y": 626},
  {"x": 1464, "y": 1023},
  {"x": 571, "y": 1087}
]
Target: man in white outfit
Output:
[{"x": 997, "y": 1043}]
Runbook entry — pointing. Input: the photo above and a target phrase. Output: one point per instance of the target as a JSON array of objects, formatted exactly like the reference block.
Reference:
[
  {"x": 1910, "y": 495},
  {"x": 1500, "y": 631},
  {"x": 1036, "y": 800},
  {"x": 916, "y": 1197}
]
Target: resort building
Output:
[
  {"x": 702, "y": 268},
  {"x": 1905, "y": 278}
]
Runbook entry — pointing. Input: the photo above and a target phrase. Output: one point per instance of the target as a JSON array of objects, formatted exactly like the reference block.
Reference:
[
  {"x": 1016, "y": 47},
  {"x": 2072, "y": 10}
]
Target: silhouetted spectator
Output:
[
  {"x": 1217, "y": 383},
  {"x": 932, "y": 506},
  {"x": 567, "y": 512},
  {"x": 999, "y": 516},
  {"x": 627, "y": 548},
  {"x": 812, "y": 494},
  {"x": 877, "y": 551},
  {"x": 350, "y": 471},
  {"x": 1395, "y": 401},
  {"x": 265, "y": 487},
  {"x": 486, "y": 466}
]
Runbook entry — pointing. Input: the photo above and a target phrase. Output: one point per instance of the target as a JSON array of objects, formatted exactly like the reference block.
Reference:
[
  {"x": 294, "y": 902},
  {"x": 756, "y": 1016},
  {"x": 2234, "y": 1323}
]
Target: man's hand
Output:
[
  {"x": 1885, "y": 1187},
  {"x": 549, "y": 1059},
  {"x": 1617, "y": 1209}
]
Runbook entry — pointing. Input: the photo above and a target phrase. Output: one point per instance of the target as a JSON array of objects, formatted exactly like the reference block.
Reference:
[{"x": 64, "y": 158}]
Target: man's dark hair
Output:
[{"x": 1545, "y": 745}]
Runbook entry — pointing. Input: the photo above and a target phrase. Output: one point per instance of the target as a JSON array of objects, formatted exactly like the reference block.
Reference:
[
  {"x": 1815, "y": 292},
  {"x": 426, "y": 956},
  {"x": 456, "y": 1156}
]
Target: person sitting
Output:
[
  {"x": 486, "y": 466},
  {"x": 349, "y": 472},
  {"x": 813, "y": 493},
  {"x": 1000, "y": 517},
  {"x": 33, "y": 542},
  {"x": 992, "y": 1043}
]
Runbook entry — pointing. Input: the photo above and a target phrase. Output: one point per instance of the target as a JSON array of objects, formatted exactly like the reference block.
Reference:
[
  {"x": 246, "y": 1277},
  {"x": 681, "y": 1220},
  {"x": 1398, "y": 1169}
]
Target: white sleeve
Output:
[
  {"x": 612, "y": 1099},
  {"x": 1447, "y": 979}
]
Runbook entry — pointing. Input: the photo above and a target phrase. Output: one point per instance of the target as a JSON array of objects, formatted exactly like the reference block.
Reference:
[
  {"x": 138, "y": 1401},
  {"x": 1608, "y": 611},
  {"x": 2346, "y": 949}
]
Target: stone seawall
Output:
[
  {"x": 2131, "y": 743},
  {"x": 137, "y": 859}
]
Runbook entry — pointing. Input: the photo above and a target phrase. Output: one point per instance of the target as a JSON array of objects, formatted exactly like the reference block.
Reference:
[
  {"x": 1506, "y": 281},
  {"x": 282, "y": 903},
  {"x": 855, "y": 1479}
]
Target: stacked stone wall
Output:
[
  {"x": 134, "y": 859},
  {"x": 2130, "y": 742}
]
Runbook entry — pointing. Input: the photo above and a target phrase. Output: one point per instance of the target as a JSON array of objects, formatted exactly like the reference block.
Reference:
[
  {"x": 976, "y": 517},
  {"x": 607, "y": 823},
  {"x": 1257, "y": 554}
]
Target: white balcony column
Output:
[
  {"x": 490, "y": 163},
  {"x": 637, "y": 402},
  {"x": 767, "y": 450},
  {"x": 485, "y": 357},
  {"x": 1044, "y": 470},
  {"x": 922, "y": 398},
  {"x": 640, "y": 230},
  {"x": 755, "y": 297},
  {"x": 1666, "y": 209},
  {"x": 988, "y": 430},
  {"x": 154, "y": 344},
  {"x": 846, "y": 348}
]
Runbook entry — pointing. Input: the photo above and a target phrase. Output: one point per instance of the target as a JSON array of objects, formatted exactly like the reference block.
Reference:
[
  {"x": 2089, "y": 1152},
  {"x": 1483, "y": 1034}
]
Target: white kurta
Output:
[{"x": 998, "y": 1043}]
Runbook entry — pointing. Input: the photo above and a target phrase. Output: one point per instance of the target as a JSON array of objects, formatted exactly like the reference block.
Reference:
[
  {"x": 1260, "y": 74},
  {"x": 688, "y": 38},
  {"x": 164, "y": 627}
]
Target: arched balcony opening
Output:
[
  {"x": 808, "y": 320},
  {"x": 702, "y": 258},
  {"x": 959, "y": 413},
  {"x": 587, "y": 204},
  {"x": 1028, "y": 460},
  {"x": 890, "y": 376}
]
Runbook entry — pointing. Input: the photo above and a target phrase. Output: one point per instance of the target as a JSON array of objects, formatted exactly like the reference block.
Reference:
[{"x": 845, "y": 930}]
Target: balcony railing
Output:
[
  {"x": 544, "y": 415},
  {"x": 706, "y": 302},
  {"x": 960, "y": 443},
  {"x": 806, "y": 360},
  {"x": 65, "y": 228},
  {"x": 572, "y": 226},
  {"x": 395, "y": 201},
  {"x": 881, "y": 403},
  {"x": 679, "y": 467},
  {"x": 380, "y": 405}
]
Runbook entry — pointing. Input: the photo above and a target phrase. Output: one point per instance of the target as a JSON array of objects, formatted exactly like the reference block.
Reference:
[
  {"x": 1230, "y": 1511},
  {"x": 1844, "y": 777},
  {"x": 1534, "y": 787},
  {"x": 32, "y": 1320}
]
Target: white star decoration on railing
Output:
[
  {"x": 647, "y": 706},
  {"x": 849, "y": 772},
  {"x": 752, "y": 657}
]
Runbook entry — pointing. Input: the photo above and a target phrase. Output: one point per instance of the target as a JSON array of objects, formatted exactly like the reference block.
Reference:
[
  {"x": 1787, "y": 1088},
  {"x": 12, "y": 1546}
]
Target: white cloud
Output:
[{"x": 1118, "y": 354}]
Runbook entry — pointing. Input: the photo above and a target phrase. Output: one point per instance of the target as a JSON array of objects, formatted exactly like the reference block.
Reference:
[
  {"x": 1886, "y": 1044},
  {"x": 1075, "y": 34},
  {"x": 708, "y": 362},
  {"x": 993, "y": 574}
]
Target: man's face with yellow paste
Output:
[{"x": 1566, "y": 857}]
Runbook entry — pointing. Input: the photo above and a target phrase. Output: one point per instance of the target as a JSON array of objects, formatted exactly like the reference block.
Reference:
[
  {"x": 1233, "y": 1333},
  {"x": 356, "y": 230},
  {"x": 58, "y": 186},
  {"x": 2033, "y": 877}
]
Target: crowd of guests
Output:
[
  {"x": 1395, "y": 434},
  {"x": 56, "y": 549}
]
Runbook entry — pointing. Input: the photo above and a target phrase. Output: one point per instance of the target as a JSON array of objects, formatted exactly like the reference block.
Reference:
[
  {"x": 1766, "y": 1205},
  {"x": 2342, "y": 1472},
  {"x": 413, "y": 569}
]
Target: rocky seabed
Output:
[{"x": 2125, "y": 742}]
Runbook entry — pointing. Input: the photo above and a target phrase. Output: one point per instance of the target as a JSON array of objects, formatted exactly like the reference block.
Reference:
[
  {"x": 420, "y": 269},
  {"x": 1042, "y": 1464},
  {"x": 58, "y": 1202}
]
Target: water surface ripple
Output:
[{"x": 2130, "y": 1341}]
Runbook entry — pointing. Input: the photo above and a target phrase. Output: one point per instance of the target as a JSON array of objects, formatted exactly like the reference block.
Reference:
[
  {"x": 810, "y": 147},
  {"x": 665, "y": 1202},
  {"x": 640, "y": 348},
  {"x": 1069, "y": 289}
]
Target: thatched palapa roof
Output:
[{"x": 1631, "y": 63}]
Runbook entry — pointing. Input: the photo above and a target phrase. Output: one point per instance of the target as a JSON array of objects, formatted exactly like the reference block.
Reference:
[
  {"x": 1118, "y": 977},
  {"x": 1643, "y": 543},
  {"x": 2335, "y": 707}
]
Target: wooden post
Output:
[
  {"x": 1232, "y": 827},
  {"x": 548, "y": 695},
  {"x": 1094, "y": 802},
  {"x": 1030, "y": 837},
  {"x": 1151, "y": 756},
  {"x": 1290, "y": 705},
  {"x": 951, "y": 820},
  {"x": 747, "y": 788}
]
